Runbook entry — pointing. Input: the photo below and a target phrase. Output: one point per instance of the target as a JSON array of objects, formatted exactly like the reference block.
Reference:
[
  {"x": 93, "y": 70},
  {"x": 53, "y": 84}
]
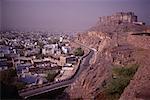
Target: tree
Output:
[
  {"x": 20, "y": 85},
  {"x": 54, "y": 41},
  {"x": 9, "y": 92},
  {"x": 8, "y": 89},
  {"x": 51, "y": 76},
  {"x": 7, "y": 76},
  {"x": 40, "y": 44},
  {"x": 79, "y": 52}
]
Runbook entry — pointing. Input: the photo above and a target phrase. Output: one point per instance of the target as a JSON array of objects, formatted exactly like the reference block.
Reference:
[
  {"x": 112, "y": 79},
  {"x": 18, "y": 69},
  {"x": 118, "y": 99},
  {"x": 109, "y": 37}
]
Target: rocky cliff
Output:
[{"x": 114, "y": 48}]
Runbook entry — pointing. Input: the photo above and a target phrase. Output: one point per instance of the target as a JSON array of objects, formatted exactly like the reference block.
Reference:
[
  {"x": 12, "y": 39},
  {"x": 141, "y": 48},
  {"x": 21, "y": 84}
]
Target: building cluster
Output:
[
  {"x": 121, "y": 17},
  {"x": 33, "y": 55}
]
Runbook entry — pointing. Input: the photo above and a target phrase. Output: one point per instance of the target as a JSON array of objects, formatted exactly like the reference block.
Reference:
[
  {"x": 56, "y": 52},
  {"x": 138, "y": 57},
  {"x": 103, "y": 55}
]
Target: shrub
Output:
[
  {"x": 7, "y": 76},
  {"x": 128, "y": 71},
  {"x": 79, "y": 52},
  {"x": 123, "y": 76},
  {"x": 51, "y": 76},
  {"x": 20, "y": 85},
  {"x": 116, "y": 86}
]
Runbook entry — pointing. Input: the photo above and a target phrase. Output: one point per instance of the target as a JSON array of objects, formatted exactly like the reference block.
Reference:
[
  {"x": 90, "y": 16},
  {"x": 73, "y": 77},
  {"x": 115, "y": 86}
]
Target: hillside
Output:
[{"x": 116, "y": 45}]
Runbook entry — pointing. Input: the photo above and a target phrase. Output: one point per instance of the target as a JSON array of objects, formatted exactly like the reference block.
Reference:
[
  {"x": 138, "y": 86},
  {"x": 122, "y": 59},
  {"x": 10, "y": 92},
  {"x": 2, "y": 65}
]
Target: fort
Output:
[{"x": 120, "y": 17}]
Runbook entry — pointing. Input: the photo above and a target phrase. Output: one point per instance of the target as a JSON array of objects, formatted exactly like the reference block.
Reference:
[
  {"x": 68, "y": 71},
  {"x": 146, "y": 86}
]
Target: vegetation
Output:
[
  {"x": 123, "y": 75},
  {"x": 20, "y": 85},
  {"x": 79, "y": 52},
  {"x": 8, "y": 88},
  {"x": 40, "y": 44},
  {"x": 40, "y": 56},
  {"x": 51, "y": 75},
  {"x": 7, "y": 76},
  {"x": 127, "y": 71},
  {"x": 53, "y": 41},
  {"x": 9, "y": 92},
  {"x": 117, "y": 85}
]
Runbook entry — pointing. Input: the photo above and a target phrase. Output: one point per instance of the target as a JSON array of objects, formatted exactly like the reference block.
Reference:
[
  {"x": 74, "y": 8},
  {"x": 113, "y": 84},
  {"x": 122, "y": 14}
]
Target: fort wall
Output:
[{"x": 119, "y": 17}]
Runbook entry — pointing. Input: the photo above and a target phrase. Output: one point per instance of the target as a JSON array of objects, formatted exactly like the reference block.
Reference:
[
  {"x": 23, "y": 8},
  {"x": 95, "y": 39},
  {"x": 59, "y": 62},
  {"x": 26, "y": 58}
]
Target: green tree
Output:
[
  {"x": 79, "y": 52},
  {"x": 51, "y": 76}
]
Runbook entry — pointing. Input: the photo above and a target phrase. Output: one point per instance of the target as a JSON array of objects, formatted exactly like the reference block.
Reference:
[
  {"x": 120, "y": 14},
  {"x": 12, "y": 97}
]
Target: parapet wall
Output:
[
  {"x": 140, "y": 41},
  {"x": 119, "y": 17}
]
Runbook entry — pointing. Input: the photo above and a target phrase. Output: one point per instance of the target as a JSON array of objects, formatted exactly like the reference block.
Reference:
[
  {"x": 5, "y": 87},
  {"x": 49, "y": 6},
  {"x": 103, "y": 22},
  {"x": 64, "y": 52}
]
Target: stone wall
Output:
[
  {"x": 119, "y": 17},
  {"x": 140, "y": 41}
]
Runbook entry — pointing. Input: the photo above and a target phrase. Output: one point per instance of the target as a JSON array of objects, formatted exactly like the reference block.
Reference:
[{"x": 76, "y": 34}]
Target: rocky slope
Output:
[
  {"x": 139, "y": 86},
  {"x": 113, "y": 49}
]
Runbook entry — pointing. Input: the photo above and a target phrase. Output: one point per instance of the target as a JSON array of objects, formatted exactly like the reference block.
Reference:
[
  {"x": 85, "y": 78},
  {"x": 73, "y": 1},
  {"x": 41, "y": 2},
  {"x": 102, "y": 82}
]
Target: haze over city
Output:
[{"x": 65, "y": 15}]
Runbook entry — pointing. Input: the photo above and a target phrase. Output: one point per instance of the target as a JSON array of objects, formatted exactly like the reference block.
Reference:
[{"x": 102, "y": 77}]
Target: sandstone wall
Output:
[{"x": 119, "y": 17}]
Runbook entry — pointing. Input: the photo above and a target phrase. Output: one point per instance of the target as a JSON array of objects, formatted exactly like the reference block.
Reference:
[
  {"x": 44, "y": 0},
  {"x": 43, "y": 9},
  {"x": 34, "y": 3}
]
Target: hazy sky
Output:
[
  {"x": 0, "y": 14},
  {"x": 65, "y": 15}
]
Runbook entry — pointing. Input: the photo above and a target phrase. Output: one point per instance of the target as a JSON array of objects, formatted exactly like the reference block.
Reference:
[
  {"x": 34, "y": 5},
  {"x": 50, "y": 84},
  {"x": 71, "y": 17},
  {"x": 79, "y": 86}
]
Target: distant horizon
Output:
[{"x": 65, "y": 15}]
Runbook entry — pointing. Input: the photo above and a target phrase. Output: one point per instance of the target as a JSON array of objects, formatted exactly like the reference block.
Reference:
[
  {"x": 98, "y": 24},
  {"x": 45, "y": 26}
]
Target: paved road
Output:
[{"x": 84, "y": 63}]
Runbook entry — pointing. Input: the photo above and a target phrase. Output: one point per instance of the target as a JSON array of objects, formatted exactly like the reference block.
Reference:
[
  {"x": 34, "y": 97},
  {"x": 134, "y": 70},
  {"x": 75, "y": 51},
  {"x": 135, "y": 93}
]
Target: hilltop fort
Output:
[
  {"x": 121, "y": 41},
  {"x": 120, "y": 17}
]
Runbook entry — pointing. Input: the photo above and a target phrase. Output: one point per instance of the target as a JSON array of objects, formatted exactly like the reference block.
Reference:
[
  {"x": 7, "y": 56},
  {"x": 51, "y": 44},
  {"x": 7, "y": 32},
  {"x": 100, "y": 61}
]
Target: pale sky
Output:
[
  {"x": 65, "y": 15},
  {"x": 0, "y": 14}
]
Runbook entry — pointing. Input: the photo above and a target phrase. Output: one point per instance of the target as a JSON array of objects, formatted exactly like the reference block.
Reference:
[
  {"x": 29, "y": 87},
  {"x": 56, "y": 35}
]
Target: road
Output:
[{"x": 83, "y": 64}]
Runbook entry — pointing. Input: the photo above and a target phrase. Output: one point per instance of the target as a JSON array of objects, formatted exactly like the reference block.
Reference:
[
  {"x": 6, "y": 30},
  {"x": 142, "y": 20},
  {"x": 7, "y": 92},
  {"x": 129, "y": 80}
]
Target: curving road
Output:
[{"x": 56, "y": 85}]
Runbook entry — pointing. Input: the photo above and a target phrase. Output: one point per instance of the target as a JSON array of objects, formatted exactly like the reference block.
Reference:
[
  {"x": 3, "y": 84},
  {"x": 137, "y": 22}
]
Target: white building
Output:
[
  {"x": 67, "y": 67},
  {"x": 65, "y": 49},
  {"x": 49, "y": 49},
  {"x": 61, "y": 39}
]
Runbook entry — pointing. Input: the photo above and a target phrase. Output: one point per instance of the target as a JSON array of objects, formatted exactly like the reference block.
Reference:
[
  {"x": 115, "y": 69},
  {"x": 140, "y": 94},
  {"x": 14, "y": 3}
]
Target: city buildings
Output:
[{"x": 33, "y": 54}]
